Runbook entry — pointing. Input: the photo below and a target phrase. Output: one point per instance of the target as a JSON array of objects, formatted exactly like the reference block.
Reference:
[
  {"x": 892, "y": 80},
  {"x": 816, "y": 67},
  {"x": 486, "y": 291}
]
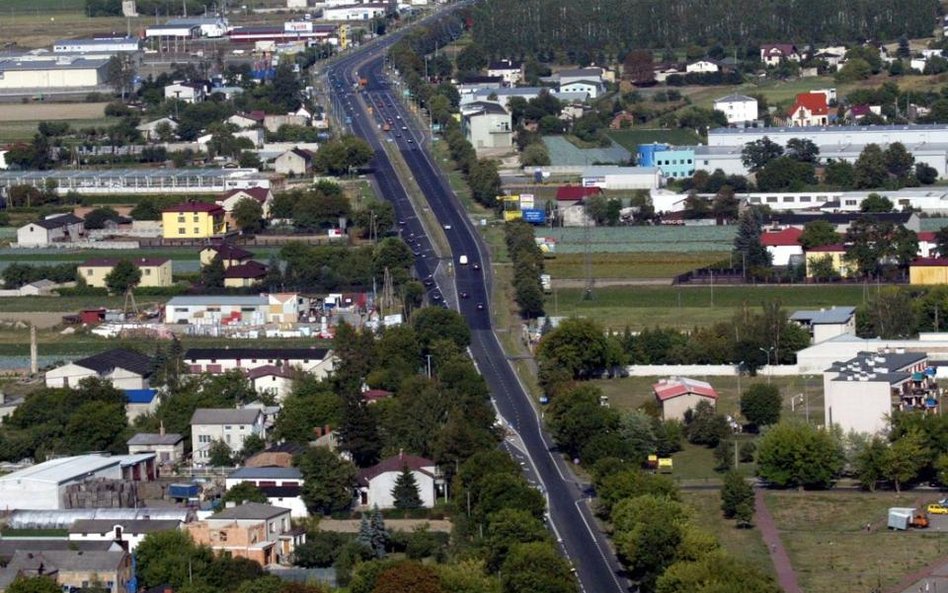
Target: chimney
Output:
[{"x": 161, "y": 428}]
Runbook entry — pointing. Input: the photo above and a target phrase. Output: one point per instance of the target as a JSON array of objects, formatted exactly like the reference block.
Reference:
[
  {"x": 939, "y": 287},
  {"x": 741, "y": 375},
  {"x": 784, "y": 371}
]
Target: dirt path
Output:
[{"x": 786, "y": 577}]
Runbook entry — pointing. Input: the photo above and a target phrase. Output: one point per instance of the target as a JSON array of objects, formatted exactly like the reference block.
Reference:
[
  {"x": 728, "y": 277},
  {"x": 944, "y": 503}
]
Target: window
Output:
[
  {"x": 147, "y": 271},
  {"x": 755, "y": 200},
  {"x": 771, "y": 199},
  {"x": 194, "y": 218},
  {"x": 222, "y": 536},
  {"x": 181, "y": 218},
  {"x": 788, "y": 199},
  {"x": 180, "y": 230},
  {"x": 89, "y": 272},
  {"x": 228, "y": 427},
  {"x": 196, "y": 230},
  {"x": 204, "y": 438},
  {"x": 689, "y": 161},
  {"x": 804, "y": 198},
  {"x": 705, "y": 162},
  {"x": 850, "y": 202},
  {"x": 227, "y": 438}
]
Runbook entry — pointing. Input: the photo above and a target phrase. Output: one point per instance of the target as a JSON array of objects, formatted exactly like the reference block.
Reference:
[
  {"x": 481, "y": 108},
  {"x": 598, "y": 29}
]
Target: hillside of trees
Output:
[{"x": 581, "y": 32}]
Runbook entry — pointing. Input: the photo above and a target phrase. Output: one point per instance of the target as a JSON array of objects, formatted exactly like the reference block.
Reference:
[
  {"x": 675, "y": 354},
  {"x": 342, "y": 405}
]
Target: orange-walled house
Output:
[{"x": 258, "y": 532}]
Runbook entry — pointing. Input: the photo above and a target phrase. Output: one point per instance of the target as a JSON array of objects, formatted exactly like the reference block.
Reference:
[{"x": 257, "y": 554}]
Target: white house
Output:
[
  {"x": 772, "y": 54},
  {"x": 167, "y": 447},
  {"x": 376, "y": 482},
  {"x": 509, "y": 71},
  {"x": 486, "y": 125},
  {"x": 124, "y": 369},
  {"x": 232, "y": 426},
  {"x": 130, "y": 532},
  {"x": 150, "y": 129},
  {"x": 827, "y": 323},
  {"x": 316, "y": 361},
  {"x": 273, "y": 380},
  {"x": 590, "y": 88},
  {"x": 782, "y": 245},
  {"x": 262, "y": 195},
  {"x": 185, "y": 91},
  {"x": 281, "y": 485},
  {"x": 246, "y": 120},
  {"x": 294, "y": 162},
  {"x": 213, "y": 26},
  {"x": 616, "y": 177},
  {"x": 43, "y": 486},
  {"x": 56, "y": 228},
  {"x": 739, "y": 109},
  {"x": 702, "y": 67},
  {"x": 861, "y": 393}
]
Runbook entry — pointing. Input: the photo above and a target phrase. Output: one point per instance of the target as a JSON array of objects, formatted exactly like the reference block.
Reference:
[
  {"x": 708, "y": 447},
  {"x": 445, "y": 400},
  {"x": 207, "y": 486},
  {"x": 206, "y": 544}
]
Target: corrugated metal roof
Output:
[
  {"x": 63, "y": 519},
  {"x": 213, "y": 300},
  {"x": 266, "y": 473}
]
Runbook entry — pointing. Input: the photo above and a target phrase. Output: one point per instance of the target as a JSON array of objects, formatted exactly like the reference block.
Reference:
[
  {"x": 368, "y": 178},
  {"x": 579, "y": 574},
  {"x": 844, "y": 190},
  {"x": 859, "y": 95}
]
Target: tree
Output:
[
  {"x": 484, "y": 180},
  {"x": 794, "y": 454},
  {"x": 433, "y": 323},
  {"x": 803, "y": 150},
  {"x": 785, "y": 173},
  {"x": 120, "y": 72},
  {"x": 704, "y": 427},
  {"x": 124, "y": 276},
  {"x": 817, "y": 233},
  {"x": 405, "y": 491},
  {"x": 761, "y": 404},
  {"x": 577, "y": 345},
  {"x": 925, "y": 173},
  {"x": 735, "y": 492},
  {"x": 758, "y": 153},
  {"x": 471, "y": 58},
  {"x": 535, "y": 155},
  {"x": 870, "y": 170},
  {"x": 220, "y": 454},
  {"x": 639, "y": 66},
  {"x": 285, "y": 88},
  {"x": 898, "y": 161},
  {"x": 869, "y": 462},
  {"x": 941, "y": 241},
  {"x": 905, "y": 458},
  {"x": 725, "y": 205},
  {"x": 97, "y": 218},
  {"x": 328, "y": 481},
  {"x": 37, "y": 584},
  {"x": 648, "y": 534},
  {"x": 536, "y": 567},
  {"x": 97, "y": 426},
  {"x": 876, "y": 203},
  {"x": 408, "y": 576},
  {"x": 170, "y": 558},
  {"x": 248, "y": 214},
  {"x": 146, "y": 209},
  {"x": 840, "y": 174},
  {"x": 212, "y": 275},
  {"x": 747, "y": 245},
  {"x": 888, "y": 314},
  {"x": 244, "y": 492},
  {"x": 253, "y": 444},
  {"x": 379, "y": 537}
]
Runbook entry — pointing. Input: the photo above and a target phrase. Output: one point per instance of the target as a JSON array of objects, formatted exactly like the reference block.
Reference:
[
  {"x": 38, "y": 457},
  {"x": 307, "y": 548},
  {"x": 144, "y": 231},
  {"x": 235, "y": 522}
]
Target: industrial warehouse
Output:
[{"x": 138, "y": 181}]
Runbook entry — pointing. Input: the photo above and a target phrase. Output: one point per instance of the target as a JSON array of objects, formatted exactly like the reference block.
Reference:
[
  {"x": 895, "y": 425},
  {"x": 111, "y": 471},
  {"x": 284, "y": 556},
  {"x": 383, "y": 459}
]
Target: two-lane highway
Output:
[{"x": 596, "y": 566}]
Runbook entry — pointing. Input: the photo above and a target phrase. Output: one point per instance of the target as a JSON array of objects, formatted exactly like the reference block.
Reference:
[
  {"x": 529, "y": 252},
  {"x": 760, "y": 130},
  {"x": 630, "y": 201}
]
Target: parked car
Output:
[{"x": 937, "y": 509}]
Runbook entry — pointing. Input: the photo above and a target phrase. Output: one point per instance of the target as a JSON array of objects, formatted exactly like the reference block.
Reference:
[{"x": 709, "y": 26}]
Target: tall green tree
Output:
[
  {"x": 904, "y": 459},
  {"x": 405, "y": 492},
  {"x": 761, "y": 404},
  {"x": 244, "y": 492},
  {"x": 248, "y": 214},
  {"x": 124, "y": 276},
  {"x": 870, "y": 170},
  {"x": 735, "y": 492},
  {"x": 794, "y": 454},
  {"x": 757, "y": 154},
  {"x": 817, "y": 233},
  {"x": 328, "y": 481},
  {"x": 876, "y": 203},
  {"x": 212, "y": 275}
]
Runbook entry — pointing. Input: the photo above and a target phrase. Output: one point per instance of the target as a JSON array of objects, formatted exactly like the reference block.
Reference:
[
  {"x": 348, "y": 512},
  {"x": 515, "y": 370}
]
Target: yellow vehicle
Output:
[{"x": 937, "y": 509}]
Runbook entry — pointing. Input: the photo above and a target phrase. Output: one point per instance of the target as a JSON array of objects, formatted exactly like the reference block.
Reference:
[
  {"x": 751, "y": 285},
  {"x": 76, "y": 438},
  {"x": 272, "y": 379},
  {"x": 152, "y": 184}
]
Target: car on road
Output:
[
  {"x": 447, "y": 227},
  {"x": 401, "y": 222},
  {"x": 429, "y": 281},
  {"x": 937, "y": 508},
  {"x": 410, "y": 141},
  {"x": 464, "y": 295},
  {"x": 476, "y": 266},
  {"x": 480, "y": 306},
  {"x": 436, "y": 296}
]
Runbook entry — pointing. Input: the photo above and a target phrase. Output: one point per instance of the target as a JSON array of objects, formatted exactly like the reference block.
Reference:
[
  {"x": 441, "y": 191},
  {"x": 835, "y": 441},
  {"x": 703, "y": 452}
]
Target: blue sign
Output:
[{"x": 534, "y": 216}]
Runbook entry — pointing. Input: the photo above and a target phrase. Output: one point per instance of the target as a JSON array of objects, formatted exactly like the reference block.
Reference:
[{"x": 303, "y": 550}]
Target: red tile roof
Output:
[
  {"x": 194, "y": 207},
  {"x": 784, "y": 49},
  {"x": 678, "y": 387},
  {"x": 786, "y": 237},
  {"x": 110, "y": 262},
  {"x": 395, "y": 464},
  {"x": 835, "y": 248},
  {"x": 927, "y": 236},
  {"x": 815, "y": 103},
  {"x": 373, "y": 395},
  {"x": 268, "y": 370},
  {"x": 575, "y": 193},
  {"x": 931, "y": 262},
  {"x": 251, "y": 270}
]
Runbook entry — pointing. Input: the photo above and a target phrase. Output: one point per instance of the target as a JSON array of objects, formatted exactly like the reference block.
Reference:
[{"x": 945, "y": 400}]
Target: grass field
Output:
[
  {"x": 825, "y": 535},
  {"x": 630, "y": 139},
  {"x": 631, "y": 392},
  {"x": 745, "y": 544},
  {"x": 687, "y": 306},
  {"x": 25, "y": 129},
  {"x": 628, "y": 265}
]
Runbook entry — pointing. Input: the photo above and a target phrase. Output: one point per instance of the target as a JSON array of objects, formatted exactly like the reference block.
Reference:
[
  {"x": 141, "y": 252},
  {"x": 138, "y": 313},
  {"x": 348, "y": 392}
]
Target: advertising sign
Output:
[{"x": 534, "y": 215}]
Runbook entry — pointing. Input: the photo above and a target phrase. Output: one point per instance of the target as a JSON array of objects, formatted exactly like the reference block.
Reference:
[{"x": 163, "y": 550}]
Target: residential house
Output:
[
  {"x": 262, "y": 309},
  {"x": 230, "y": 254},
  {"x": 294, "y": 162},
  {"x": 510, "y": 71},
  {"x": 167, "y": 447},
  {"x": 140, "y": 402},
  {"x": 277, "y": 381},
  {"x": 231, "y": 426},
  {"x": 860, "y": 394},
  {"x": 73, "y": 570},
  {"x": 193, "y": 220},
  {"x": 592, "y": 74},
  {"x": 809, "y": 109},
  {"x": 245, "y": 275},
  {"x": 834, "y": 56},
  {"x": 772, "y": 54},
  {"x": 927, "y": 246},
  {"x": 258, "y": 532},
  {"x": 783, "y": 245},
  {"x": 663, "y": 71},
  {"x": 151, "y": 130},
  {"x": 315, "y": 361},
  {"x": 245, "y": 121},
  {"x": 858, "y": 112},
  {"x": 156, "y": 271},
  {"x": 371, "y": 396},
  {"x": 702, "y": 67},
  {"x": 40, "y": 288},
  {"x": 262, "y": 195},
  {"x": 590, "y": 88},
  {"x": 281, "y": 485},
  {"x": 472, "y": 84},
  {"x": 486, "y": 125},
  {"x": 273, "y": 122},
  {"x": 678, "y": 395},
  {"x": 377, "y": 482},
  {"x": 928, "y": 271},
  {"x": 56, "y": 228},
  {"x": 129, "y": 533},
  {"x": 738, "y": 109},
  {"x": 124, "y": 369},
  {"x": 834, "y": 254},
  {"x": 189, "y": 92},
  {"x": 827, "y": 323}
]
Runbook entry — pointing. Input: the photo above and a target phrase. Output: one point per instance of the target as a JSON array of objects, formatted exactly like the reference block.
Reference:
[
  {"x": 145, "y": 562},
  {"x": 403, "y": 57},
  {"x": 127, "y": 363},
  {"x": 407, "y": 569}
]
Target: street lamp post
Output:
[{"x": 767, "y": 352}]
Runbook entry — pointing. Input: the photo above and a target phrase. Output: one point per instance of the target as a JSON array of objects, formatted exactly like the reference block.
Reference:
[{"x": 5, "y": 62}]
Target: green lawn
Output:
[
  {"x": 34, "y": 5},
  {"x": 745, "y": 544},
  {"x": 825, "y": 535},
  {"x": 12, "y": 131},
  {"x": 628, "y": 265},
  {"x": 687, "y": 306},
  {"x": 630, "y": 139}
]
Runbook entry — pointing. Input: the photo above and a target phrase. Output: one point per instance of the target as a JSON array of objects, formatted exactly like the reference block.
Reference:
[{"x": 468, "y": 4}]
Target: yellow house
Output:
[
  {"x": 156, "y": 271},
  {"x": 836, "y": 253},
  {"x": 245, "y": 275},
  {"x": 193, "y": 220},
  {"x": 929, "y": 270},
  {"x": 231, "y": 255}
]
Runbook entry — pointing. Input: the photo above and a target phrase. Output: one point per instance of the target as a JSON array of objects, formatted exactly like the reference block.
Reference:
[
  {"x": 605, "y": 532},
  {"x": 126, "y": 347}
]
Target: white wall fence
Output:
[
  {"x": 710, "y": 370},
  {"x": 82, "y": 245}
]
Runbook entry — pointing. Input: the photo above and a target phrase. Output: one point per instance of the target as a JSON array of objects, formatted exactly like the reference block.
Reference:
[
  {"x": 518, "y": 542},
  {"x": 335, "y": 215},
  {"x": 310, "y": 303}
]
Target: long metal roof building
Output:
[{"x": 138, "y": 181}]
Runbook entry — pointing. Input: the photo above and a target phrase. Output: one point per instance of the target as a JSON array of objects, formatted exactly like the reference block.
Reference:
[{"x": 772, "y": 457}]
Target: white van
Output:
[{"x": 462, "y": 260}]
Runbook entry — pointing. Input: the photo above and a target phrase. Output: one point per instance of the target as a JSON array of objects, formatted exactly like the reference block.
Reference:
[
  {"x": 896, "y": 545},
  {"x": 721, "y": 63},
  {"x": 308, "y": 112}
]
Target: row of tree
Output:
[{"x": 528, "y": 267}]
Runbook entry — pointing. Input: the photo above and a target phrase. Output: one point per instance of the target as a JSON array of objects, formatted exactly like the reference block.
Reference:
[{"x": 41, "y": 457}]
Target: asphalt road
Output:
[{"x": 569, "y": 516}]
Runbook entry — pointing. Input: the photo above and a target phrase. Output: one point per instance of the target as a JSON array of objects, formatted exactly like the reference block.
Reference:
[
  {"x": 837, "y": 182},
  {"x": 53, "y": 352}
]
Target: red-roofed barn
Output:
[{"x": 678, "y": 395}]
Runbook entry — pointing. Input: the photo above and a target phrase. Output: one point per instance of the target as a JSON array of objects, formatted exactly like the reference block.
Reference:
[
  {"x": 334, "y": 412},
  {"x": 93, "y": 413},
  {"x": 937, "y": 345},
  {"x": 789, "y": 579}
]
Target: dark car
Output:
[
  {"x": 436, "y": 296},
  {"x": 429, "y": 281}
]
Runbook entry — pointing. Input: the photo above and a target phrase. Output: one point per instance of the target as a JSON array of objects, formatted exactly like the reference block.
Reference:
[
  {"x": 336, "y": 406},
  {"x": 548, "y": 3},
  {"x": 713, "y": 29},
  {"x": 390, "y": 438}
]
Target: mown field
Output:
[
  {"x": 688, "y": 306},
  {"x": 629, "y": 239},
  {"x": 567, "y": 266}
]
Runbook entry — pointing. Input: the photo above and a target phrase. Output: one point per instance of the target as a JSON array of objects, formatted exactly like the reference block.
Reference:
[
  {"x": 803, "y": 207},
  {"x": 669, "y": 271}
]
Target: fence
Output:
[{"x": 710, "y": 370}]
